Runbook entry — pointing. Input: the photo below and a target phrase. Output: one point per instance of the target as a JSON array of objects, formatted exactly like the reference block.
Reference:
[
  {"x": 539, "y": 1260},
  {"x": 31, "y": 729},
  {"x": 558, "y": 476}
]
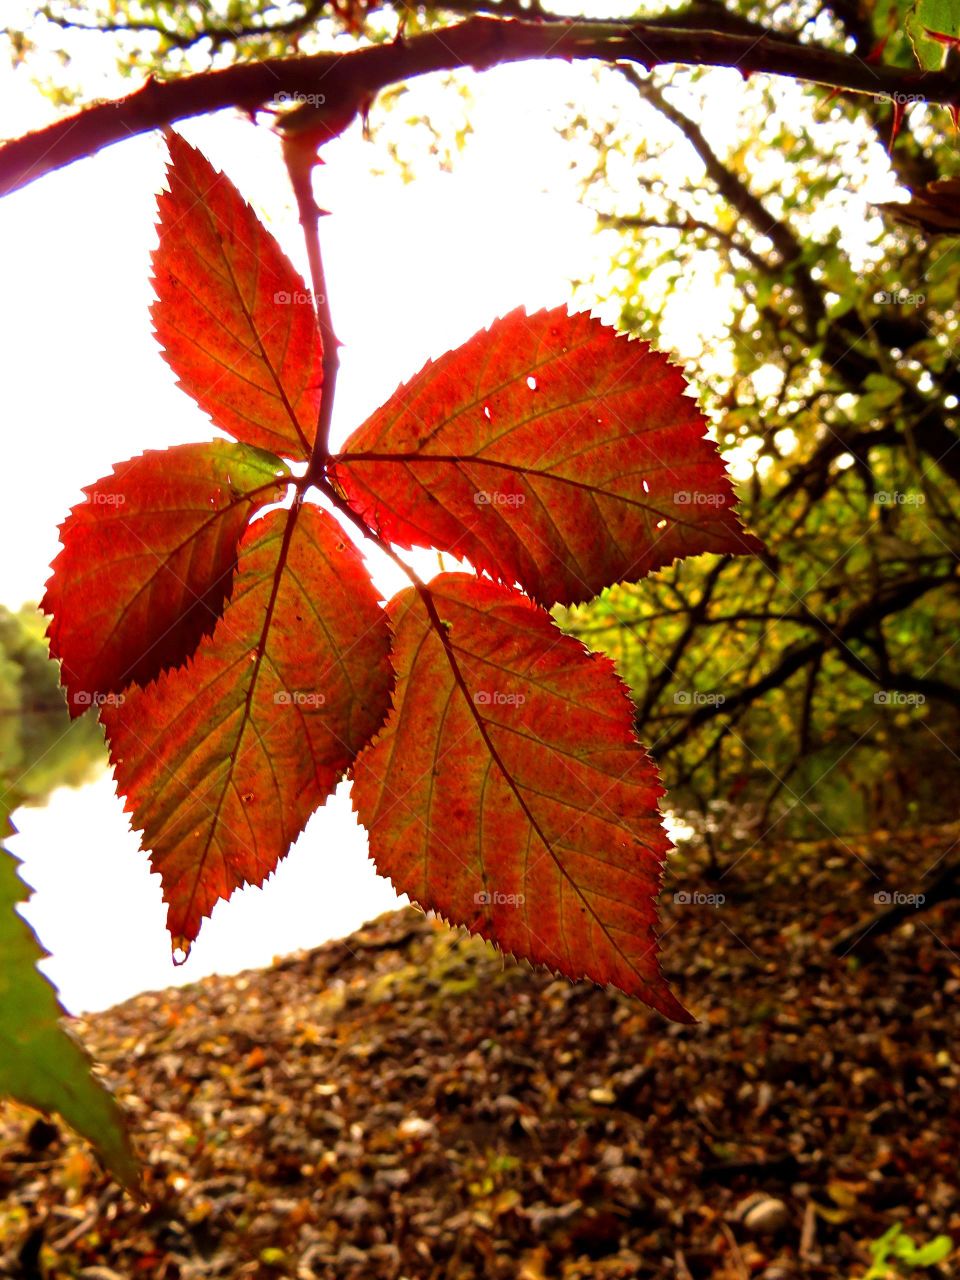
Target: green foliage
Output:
[
  {"x": 894, "y": 1253},
  {"x": 932, "y": 18},
  {"x": 39, "y": 747},
  {"x": 40, "y": 1062},
  {"x": 816, "y": 688}
]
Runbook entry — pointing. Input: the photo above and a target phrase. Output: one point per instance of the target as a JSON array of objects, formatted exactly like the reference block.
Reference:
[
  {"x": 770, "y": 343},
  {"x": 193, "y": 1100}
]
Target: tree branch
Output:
[
  {"x": 861, "y": 619},
  {"x": 739, "y": 196},
  {"x": 346, "y": 80},
  {"x": 635, "y": 222}
]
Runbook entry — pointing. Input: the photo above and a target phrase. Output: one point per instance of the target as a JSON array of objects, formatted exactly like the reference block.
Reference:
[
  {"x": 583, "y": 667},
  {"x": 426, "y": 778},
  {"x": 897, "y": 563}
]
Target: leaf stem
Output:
[
  {"x": 301, "y": 157},
  {"x": 338, "y": 502}
]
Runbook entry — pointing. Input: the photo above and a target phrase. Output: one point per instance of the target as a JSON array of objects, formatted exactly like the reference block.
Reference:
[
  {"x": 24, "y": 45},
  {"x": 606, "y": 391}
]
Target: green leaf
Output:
[
  {"x": 929, "y": 20},
  {"x": 41, "y": 1064},
  {"x": 929, "y": 1254}
]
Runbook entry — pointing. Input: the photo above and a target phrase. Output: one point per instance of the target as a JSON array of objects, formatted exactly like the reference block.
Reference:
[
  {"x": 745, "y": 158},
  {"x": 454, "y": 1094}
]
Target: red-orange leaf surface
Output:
[
  {"x": 148, "y": 560},
  {"x": 234, "y": 318},
  {"x": 223, "y": 761},
  {"x": 507, "y": 790},
  {"x": 550, "y": 451}
]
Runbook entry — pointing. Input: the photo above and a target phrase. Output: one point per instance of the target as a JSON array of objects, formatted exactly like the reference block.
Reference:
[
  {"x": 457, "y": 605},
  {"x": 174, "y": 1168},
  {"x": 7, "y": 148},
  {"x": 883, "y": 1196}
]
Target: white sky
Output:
[{"x": 413, "y": 269}]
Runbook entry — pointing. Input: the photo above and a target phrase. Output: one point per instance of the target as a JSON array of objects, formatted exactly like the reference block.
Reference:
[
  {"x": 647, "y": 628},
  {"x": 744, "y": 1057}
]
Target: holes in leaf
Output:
[
  {"x": 646, "y": 487},
  {"x": 661, "y": 524},
  {"x": 531, "y": 382},
  {"x": 487, "y": 414}
]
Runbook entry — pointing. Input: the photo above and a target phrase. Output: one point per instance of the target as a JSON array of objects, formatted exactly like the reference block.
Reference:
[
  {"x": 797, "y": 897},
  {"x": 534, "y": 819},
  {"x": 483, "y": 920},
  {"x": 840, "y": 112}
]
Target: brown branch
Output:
[
  {"x": 860, "y": 619},
  {"x": 736, "y": 192},
  {"x": 732, "y": 245},
  {"x": 346, "y": 80},
  {"x": 696, "y": 614}
]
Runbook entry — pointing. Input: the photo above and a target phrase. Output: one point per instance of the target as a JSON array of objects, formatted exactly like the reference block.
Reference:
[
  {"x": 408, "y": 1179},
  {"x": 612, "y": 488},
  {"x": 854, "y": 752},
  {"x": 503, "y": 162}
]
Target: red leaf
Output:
[
  {"x": 148, "y": 561},
  {"x": 224, "y": 761},
  {"x": 507, "y": 790},
  {"x": 234, "y": 318},
  {"x": 549, "y": 451}
]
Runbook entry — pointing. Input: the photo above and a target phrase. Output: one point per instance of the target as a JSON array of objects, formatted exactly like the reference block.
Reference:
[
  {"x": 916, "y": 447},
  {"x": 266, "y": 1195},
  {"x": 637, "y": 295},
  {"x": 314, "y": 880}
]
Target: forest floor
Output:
[{"x": 405, "y": 1103}]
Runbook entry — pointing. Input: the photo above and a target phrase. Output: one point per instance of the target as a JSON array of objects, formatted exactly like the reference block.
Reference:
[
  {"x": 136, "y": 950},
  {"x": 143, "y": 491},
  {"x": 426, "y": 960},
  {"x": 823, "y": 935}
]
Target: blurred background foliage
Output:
[
  {"x": 814, "y": 690},
  {"x": 40, "y": 748}
]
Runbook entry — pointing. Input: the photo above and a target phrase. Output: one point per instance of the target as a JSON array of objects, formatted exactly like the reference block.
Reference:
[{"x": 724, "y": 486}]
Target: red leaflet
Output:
[
  {"x": 549, "y": 451},
  {"x": 507, "y": 790},
  {"x": 148, "y": 561},
  {"x": 233, "y": 317},
  {"x": 223, "y": 762}
]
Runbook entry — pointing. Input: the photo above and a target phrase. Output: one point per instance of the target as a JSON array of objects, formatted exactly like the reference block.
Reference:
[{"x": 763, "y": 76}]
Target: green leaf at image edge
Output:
[
  {"x": 938, "y": 16},
  {"x": 41, "y": 1064}
]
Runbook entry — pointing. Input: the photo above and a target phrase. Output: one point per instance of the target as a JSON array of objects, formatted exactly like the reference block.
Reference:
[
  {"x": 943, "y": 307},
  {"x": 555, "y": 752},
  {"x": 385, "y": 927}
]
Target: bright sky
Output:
[{"x": 413, "y": 269}]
